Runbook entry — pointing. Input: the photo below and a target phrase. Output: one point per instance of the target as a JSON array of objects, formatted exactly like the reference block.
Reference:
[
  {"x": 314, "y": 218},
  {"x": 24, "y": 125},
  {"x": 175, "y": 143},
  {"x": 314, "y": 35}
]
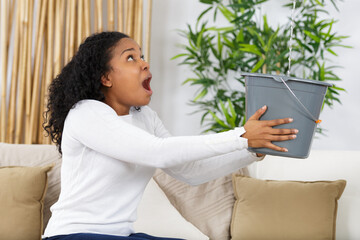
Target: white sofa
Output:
[
  {"x": 158, "y": 217},
  {"x": 320, "y": 165}
]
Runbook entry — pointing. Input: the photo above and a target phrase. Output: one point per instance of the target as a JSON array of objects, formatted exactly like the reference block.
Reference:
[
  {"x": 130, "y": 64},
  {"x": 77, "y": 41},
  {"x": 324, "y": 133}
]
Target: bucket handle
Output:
[{"x": 302, "y": 105}]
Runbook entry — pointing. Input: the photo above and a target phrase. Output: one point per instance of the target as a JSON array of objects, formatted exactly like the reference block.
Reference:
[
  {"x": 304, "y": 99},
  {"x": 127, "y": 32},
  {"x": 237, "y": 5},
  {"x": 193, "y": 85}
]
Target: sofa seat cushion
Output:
[{"x": 158, "y": 217}]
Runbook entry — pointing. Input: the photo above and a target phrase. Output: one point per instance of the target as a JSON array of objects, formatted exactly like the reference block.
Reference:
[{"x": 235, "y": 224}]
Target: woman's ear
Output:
[{"x": 106, "y": 81}]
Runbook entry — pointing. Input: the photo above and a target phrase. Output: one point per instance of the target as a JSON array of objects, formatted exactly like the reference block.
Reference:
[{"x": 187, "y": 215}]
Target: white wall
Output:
[{"x": 170, "y": 97}]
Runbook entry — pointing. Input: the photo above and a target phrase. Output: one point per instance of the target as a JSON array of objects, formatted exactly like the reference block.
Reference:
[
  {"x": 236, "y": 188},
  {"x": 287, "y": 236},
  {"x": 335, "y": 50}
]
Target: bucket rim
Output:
[{"x": 286, "y": 78}]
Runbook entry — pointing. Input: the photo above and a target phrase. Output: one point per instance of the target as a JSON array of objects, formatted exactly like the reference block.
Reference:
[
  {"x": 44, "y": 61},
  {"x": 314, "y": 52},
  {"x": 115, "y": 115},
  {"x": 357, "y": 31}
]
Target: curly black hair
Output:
[{"x": 79, "y": 79}]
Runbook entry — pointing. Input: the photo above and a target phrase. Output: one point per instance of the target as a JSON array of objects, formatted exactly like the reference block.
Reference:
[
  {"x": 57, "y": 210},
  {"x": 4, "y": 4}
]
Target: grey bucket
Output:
[{"x": 300, "y": 99}]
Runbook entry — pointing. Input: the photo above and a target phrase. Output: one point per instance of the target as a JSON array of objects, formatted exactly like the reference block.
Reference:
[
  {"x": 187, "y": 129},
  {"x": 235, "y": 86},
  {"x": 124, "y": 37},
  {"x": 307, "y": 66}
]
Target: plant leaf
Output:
[
  {"x": 179, "y": 55},
  {"x": 218, "y": 120},
  {"x": 204, "y": 12},
  {"x": 201, "y": 94},
  {"x": 227, "y": 115},
  {"x": 258, "y": 65},
  {"x": 312, "y": 36},
  {"x": 331, "y": 51},
  {"x": 250, "y": 48}
]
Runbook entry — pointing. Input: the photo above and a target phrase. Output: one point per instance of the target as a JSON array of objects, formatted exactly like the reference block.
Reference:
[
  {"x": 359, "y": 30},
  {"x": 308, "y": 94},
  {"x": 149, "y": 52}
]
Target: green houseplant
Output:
[{"x": 216, "y": 54}]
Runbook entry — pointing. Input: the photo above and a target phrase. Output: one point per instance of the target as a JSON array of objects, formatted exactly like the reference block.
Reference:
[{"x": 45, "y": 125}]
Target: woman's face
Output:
[{"x": 127, "y": 83}]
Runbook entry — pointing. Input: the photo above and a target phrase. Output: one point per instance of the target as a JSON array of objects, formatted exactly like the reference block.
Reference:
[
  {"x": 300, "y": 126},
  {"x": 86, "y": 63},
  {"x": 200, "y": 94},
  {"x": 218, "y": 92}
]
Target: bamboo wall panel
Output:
[
  {"x": 110, "y": 14},
  {"x": 29, "y": 82},
  {"x": 120, "y": 18},
  {"x": 3, "y": 45},
  {"x": 38, "y": 37},
  {"x": 14, "y": 74}
]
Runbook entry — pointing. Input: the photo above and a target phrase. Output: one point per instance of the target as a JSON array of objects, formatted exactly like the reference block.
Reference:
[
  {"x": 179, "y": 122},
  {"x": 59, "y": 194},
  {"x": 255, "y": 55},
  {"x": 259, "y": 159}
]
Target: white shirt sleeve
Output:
[
  {"x": 205, "y": 170},
  {"x": 97, "y": 126}
]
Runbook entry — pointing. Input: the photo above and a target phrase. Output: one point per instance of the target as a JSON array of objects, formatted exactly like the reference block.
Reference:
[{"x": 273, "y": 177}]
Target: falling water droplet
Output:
[{"x": 292, "y": 24}]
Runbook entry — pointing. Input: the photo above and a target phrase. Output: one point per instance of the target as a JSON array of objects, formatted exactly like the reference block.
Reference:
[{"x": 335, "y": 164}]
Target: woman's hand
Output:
[{"x": 260, "y": 134}]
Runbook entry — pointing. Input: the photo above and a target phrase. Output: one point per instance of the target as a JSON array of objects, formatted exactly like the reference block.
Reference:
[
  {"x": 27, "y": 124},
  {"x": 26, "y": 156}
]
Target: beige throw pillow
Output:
[
  {"x": 269, "y": 209},
  {"x": 207, "y": 206},
  {"x": 32, "y": 155},
  {"x": 22, "y": 192}
]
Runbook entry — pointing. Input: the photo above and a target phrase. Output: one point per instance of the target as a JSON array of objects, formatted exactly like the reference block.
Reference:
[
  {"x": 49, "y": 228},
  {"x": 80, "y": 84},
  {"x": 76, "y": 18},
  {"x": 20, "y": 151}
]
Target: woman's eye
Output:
[
  {"x": 142, "y": 57},
  {"x": 130, "y": 58}
]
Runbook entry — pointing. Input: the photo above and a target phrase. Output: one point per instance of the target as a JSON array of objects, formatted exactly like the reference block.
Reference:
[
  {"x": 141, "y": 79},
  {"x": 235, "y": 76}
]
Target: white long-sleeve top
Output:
[{"x": 107, "y": 161}]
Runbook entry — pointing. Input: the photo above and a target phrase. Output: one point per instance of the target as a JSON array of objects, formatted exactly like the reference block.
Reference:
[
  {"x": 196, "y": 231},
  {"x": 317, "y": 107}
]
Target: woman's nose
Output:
[{"x": 145, "y": 65}]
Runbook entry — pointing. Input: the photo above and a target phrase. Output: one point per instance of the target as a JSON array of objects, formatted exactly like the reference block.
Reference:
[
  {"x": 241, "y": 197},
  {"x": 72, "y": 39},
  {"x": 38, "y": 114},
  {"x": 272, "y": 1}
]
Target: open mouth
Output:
[{"x": 146, "y": 84}]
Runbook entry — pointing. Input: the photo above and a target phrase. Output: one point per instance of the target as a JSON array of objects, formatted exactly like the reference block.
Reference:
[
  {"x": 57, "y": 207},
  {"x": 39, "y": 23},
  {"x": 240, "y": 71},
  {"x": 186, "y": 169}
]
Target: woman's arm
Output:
[
  {"x": 205, "y": 170},
  {"x": 97, "y": 126}
]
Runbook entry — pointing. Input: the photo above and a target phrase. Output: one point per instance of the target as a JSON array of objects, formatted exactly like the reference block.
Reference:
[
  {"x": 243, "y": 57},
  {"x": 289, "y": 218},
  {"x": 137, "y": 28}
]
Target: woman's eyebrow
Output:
[{"x": 128, "y": 49}]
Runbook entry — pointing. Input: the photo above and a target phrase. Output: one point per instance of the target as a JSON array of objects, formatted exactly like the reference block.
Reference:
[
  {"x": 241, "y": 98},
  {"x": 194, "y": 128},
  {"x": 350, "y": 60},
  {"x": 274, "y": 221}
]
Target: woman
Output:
[{"x": 111, "y": 142}]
